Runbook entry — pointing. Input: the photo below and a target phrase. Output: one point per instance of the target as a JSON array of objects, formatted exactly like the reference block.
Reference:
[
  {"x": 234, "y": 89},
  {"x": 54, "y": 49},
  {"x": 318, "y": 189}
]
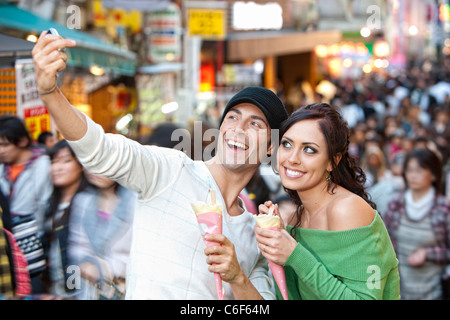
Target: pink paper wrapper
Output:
[
  {"x": 211, "y": 223},
  {"x": 278, "y": 273}
]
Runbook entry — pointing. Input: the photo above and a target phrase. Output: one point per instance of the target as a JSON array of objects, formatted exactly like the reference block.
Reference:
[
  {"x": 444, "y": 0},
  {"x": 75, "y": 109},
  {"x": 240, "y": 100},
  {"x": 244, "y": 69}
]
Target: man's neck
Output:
[
  {"x": 231, "y": 182},
  {"x": 23, "y": 157}
]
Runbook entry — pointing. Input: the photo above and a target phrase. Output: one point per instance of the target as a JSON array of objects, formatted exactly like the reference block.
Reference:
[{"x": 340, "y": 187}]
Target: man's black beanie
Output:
[{"x": 264, "y": 99}]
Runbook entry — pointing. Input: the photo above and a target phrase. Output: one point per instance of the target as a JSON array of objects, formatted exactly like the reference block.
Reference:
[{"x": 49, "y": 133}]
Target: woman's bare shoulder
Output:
[{"x": 349, "y": 211}]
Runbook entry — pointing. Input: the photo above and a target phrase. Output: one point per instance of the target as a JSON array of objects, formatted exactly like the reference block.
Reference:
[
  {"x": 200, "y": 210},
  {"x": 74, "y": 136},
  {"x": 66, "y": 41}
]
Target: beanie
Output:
[{"x": 265, "y": 100}]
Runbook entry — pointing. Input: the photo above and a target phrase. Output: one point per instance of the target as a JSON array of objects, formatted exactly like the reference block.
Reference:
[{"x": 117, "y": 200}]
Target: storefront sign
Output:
[
  {"x": 254, "y": 16},
  {"x": 165, "y": 35},
  {"x": 207, "y": 23},
  {"x": 30, "y": 107}
]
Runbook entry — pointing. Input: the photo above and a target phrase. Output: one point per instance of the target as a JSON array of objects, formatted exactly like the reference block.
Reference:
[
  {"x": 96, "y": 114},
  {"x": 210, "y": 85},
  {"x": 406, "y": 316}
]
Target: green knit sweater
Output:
[{"x": 352, "y": 264}]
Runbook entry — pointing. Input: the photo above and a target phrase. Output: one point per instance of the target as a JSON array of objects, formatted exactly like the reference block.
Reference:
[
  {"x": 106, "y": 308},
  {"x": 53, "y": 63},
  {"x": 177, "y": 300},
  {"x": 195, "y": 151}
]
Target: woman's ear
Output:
[{"x": 337, "y": 159}]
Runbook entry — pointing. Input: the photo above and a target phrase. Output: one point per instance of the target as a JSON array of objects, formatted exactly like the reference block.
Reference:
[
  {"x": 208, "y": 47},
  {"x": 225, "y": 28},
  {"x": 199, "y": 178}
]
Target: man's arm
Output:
[{"x": 48, "y": 61}]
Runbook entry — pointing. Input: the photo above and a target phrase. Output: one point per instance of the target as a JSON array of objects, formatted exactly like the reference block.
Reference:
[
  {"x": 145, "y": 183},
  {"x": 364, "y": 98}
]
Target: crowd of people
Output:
[
  {"x": 71, "y": 229},
  {"x": 362, "y": 171}
]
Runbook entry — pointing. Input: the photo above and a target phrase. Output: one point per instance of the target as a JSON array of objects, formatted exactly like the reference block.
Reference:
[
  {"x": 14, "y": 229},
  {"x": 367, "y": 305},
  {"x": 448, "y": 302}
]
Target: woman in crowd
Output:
[
  {"x": 100, "y": 237},
  {"x": 68, "y": 179},
  {"x": 418, "y": 221},
  {"x": 338, "y": 247},
  {"x": 374, "y": 165}
]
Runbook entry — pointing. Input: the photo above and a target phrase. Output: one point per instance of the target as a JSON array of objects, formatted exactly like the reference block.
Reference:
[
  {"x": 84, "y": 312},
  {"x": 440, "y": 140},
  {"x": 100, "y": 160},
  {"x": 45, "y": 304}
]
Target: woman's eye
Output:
[
  {"x": 308, "y": 149},
  {"x": 286, "y": 144}
]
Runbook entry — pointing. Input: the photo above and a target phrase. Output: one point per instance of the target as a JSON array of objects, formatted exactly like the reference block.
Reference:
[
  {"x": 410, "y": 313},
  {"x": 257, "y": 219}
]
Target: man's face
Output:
[
  {"x": 9, "y": 152},
  {"x": 244, "y": 136}
]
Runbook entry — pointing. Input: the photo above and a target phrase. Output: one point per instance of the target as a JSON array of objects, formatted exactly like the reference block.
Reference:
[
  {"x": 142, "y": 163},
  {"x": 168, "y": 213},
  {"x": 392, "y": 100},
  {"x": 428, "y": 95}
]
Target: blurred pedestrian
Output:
[
  {"x": 6, "y": 281},
  {"x": 383, "y": 191},
  {"x": 100, "y": 237},
  {"x": 25, "y": 180},
  {"x": 374, "y": 165},
  {"x": 440, "y": 132},
  {"x": 46, "y": 139},
  {"x": 68, "y": 178},
  {"x": 418, "y": 221},
  {"x": 338, "y": 239}
]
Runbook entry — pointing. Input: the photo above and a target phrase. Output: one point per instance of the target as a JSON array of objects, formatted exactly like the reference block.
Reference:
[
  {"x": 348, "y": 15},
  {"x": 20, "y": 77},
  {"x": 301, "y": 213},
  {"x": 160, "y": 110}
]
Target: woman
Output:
[
  {"x": 68, "y": 179},
  {"x": 100, "y": 237},
  {"x": 338, "y": 247},
  {"x": 418, "y": 221},
  {"x": 374, "y": 165}
]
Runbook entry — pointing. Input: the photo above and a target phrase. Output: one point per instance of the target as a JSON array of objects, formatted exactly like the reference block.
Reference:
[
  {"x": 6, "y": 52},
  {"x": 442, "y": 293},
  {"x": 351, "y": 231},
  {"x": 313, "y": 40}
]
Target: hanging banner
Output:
[
  {"x": 165, "y": 35},
  {"x": 30, "y": 107}
]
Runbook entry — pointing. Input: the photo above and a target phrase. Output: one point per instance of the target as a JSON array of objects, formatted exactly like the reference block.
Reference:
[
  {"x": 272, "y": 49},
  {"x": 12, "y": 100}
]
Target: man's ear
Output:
[{"x": 270, "y": 149}]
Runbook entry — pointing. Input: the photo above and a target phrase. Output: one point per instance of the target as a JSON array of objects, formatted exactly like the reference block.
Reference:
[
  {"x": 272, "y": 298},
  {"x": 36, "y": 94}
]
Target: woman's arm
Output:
[{"x": 325, "y": 285}]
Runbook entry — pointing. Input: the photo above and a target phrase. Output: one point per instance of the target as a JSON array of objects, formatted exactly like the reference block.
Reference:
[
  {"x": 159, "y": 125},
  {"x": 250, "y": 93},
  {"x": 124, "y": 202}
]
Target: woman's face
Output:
[
  {"x": 65, "y": 169},
  {"x": 303, "y": 156},
  {"x": 418, "y": 179}
]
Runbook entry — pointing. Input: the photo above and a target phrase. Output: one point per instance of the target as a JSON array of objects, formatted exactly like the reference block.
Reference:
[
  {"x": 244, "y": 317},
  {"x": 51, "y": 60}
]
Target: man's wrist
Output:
[{"x": 43, "y": 93}]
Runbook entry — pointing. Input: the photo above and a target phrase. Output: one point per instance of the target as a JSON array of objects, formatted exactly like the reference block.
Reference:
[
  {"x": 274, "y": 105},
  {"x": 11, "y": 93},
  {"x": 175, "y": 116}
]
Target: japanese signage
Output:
[
  {"x": 29, "y": 105},
  {"x": 207, "y": 23},
  {"x": 165, "y": 35}
]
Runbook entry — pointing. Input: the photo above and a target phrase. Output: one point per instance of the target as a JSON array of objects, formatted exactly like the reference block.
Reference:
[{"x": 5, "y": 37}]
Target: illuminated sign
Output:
[
  {"x": 444, "y": 12},
  {"x": 253, "y": 16}
]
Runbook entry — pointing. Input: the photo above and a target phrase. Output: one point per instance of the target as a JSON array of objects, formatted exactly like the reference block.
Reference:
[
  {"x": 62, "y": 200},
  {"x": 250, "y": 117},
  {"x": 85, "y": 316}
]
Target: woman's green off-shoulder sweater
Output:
[{"x": 351, "y": 264}]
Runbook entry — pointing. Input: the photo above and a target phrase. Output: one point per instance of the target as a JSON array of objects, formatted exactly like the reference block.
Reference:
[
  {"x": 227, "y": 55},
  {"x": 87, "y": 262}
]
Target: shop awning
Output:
[
  {"x": 89, "y": 50},
  {"x": 256, "y": 45},
  {"x": 12, "y": 48}
]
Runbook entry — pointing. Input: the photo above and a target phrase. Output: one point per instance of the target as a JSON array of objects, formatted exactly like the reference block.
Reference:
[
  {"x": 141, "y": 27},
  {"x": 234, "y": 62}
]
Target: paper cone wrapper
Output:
[
  {"x": 209, "y": 218},
  {"x": 273, "y": 222}
]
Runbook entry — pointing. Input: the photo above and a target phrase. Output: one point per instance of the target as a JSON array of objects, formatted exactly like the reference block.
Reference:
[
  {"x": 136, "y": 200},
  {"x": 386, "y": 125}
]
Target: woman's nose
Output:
[{"x": 294, "y": 158}]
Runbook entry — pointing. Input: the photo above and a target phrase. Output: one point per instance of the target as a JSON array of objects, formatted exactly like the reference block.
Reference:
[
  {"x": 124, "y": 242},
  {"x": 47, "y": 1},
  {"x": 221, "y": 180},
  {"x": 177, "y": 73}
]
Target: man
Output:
[
  {"x": 25, "y": 181},
  {"x": 167, "y": 259}
]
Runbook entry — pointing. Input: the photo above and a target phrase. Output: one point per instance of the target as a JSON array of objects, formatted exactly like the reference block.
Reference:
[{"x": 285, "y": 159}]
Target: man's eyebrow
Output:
[
  {"x": 236, "y": 110},
  {"x": 259, "y": 118},
  {"x": 255, "y": 117}
]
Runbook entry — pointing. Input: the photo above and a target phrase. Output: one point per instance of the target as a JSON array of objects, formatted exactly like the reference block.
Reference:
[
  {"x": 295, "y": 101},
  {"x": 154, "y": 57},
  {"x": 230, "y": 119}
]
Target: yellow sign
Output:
[
  {"x": 207, "y": 23},
  {"x": 112, "y": 18},
  {"x": 37, "y": 120}
]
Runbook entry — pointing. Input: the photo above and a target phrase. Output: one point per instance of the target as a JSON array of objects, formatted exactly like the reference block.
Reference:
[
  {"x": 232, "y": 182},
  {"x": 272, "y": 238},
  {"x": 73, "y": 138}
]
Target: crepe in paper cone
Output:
[
  {"x": 269, "y": 221},
  {"x": 209, "y": 218}
]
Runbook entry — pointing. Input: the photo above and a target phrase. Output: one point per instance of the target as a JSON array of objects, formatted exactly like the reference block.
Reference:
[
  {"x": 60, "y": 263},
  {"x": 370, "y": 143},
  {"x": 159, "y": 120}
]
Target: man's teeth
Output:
[
  {"x": 237, "y": 145},
  {"x": 292, "y": 172}
]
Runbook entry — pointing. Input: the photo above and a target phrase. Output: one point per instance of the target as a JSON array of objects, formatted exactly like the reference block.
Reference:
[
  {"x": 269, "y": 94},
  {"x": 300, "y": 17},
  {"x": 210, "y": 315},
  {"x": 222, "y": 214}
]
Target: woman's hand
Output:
[
  {"x": 222, "y": 258},
  {"x": 418, "y": 257},
  {"x": 265, "y": 209},
  {"x": 275, "y": 246},
  {"x": 90, "y": 271}
]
